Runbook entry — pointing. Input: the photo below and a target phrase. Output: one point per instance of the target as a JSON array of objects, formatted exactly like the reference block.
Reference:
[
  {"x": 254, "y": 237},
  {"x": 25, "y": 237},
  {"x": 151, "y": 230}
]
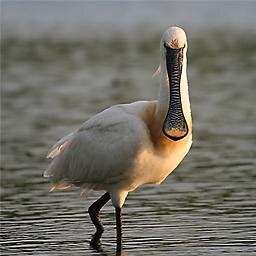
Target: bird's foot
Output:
[{"x": 95, "y": 242}]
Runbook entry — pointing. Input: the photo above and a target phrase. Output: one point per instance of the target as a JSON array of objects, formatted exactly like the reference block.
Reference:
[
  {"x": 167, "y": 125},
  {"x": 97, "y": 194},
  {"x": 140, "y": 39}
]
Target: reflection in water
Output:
[
  {"x": 50, "y": 86},
  {"x": 95, "y": 244}
]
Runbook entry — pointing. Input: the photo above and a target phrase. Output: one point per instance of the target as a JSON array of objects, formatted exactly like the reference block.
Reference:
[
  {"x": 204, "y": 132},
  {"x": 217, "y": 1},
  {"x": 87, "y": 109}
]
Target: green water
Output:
[{"x": 206, "y": 207}]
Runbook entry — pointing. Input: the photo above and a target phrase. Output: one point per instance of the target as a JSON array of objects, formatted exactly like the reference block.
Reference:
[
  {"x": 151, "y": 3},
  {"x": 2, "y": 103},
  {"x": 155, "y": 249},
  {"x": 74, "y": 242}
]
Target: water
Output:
[{"x": 51, "y": 84}]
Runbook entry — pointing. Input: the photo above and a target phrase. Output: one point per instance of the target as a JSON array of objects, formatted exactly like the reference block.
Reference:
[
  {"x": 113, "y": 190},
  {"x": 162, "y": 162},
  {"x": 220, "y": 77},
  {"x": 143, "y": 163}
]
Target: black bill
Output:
[{"x": 175, "y": 126}]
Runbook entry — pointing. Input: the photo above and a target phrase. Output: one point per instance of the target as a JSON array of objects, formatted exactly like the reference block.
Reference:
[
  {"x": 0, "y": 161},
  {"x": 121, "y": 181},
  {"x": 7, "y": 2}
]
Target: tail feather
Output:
[
  {"x": 60, "y": 186},
  {"x": 55, "y": 169},
  {"x": 59, "y": 146},
  {"x": 52, "y": 171},
  {"x": 86, "y": 189}
]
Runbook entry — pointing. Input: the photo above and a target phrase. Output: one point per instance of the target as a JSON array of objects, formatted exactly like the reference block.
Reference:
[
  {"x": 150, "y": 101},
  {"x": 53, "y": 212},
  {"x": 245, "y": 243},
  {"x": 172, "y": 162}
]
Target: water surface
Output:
[{"x": 50, "y": 86}]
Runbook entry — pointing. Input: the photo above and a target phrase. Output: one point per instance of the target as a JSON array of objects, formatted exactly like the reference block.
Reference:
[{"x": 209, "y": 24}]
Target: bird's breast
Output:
[{"x": 152, "y": 165}]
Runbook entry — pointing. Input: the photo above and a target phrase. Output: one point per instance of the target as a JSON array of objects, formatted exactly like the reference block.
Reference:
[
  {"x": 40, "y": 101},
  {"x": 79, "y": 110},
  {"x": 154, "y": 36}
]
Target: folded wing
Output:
[{"x": 100, "y": 153}]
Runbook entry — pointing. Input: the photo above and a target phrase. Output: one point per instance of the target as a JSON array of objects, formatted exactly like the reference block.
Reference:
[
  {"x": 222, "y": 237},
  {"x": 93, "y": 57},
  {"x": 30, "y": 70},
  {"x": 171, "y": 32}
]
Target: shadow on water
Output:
[{"x": 96, "y": 245}]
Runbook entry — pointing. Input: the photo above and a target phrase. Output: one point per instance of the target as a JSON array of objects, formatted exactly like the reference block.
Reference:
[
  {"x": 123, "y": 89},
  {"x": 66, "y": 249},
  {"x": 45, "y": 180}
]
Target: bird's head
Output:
[{"x": 174, "y": 38}]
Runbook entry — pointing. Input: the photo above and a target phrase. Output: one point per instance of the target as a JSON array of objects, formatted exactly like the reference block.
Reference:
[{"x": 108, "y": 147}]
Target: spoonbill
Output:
[{"x": 128, "y": 145}]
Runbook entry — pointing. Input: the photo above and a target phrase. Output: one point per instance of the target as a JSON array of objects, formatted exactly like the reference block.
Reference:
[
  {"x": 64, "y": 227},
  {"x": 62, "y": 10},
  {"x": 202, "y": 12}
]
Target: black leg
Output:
[
  {"x": 94, "y": 210},
  {"x": 119, "y": 241}
]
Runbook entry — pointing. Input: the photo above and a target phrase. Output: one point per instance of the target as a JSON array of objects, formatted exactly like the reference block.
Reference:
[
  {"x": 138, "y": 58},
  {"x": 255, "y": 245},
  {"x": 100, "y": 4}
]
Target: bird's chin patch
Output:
[{"x": 175, "y": 134}]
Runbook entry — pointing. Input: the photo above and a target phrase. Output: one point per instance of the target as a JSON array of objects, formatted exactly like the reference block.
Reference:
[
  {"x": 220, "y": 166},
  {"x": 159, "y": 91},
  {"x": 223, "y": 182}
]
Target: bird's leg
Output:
[
  {"x": 94, "y": 210},
  {"x": 119, "y": 240}
]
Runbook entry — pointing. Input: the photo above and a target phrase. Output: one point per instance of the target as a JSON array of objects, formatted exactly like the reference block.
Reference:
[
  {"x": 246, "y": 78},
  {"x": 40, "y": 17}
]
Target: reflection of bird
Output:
[{"x": 128, "y": 145}]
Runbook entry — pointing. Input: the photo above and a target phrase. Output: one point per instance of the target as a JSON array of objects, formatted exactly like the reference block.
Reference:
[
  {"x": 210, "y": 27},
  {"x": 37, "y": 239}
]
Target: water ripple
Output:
[{"x": 206, "y": 207}]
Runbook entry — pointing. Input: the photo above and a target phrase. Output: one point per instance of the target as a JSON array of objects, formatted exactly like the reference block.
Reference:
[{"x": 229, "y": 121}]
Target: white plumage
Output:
[
  {"x": 124, "y": 146},
  {"x": 113, "y": 151}
]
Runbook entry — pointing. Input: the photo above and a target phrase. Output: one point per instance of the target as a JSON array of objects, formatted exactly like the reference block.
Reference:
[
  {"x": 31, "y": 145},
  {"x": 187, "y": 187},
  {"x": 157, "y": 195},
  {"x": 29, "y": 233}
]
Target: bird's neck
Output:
[{"x": 164, "y": 96}]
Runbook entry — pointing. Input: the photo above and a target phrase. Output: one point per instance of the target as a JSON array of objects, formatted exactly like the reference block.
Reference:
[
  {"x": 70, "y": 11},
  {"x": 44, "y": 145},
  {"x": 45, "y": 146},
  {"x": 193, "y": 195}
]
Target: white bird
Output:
[{"x": 129, "y": 145}]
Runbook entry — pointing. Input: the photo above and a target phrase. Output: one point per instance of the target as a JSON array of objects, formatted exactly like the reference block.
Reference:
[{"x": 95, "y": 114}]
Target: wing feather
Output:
[
  {"x": 99, "y": 153},
  {"x": 60, "y": 145}
]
